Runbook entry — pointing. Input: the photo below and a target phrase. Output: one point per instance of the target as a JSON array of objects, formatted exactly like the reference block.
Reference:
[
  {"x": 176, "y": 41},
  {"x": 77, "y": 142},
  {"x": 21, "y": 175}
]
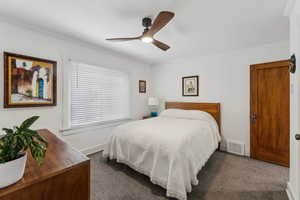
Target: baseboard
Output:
[
  {"x": 93, "y": 149},
  {"x": 290, "y": 192}
]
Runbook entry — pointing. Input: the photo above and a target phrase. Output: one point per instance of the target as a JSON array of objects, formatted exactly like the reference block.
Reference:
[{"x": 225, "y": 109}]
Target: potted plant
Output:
[{"x": 13, "y": 151}]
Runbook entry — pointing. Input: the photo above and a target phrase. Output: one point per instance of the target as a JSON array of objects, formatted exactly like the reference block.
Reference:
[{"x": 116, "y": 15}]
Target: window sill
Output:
[{"x": 99, "y": 125}]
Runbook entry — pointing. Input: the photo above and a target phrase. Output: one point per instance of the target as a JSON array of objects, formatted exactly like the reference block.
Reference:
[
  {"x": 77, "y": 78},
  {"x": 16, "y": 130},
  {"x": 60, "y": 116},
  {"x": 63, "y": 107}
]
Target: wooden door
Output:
[{"x": 270, "y": 112}]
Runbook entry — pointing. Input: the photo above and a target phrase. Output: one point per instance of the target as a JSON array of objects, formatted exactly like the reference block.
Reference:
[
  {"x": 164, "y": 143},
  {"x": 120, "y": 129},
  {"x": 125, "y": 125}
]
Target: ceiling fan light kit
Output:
[
  {"x": 150, "y": 30},
  {"x": 147, "y": 39}
]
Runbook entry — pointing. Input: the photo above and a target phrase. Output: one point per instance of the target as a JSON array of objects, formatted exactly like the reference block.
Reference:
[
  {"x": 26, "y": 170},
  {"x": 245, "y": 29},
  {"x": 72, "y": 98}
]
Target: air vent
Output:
[{"x": 236, "y": 147}]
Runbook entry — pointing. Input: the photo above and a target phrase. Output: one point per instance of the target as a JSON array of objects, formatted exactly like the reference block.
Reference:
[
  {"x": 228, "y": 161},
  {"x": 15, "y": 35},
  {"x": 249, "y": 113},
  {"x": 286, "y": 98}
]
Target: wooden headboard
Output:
[{"x": 211, "y": 108}]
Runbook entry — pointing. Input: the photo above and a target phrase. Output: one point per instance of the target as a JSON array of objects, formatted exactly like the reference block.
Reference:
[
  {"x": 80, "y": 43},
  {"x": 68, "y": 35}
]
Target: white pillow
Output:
[{"x": 186, "y": 114}]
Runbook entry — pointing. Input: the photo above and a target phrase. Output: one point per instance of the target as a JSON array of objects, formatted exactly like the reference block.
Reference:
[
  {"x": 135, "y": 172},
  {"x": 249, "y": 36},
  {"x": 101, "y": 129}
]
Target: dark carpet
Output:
[{"x": 224, "y": 177}]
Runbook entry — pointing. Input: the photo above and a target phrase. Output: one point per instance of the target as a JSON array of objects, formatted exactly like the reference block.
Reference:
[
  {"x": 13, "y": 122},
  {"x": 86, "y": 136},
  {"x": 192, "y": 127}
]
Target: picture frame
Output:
[
  {"x": 29, "y": 81},
  {"x": 142, "y": 86},
  {"x": 190, "y": 86}
]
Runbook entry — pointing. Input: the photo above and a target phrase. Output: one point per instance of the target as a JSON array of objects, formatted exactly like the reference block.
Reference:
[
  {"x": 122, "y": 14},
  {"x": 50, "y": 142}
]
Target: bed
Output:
[{"x": 172, "y": 148}]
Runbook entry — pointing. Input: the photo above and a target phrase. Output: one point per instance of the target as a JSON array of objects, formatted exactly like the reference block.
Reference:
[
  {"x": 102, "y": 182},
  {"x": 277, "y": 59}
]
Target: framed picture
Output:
[
  {"x": 28, "y": 81},
  {"x": 190, "y": 86},
  {"x": 142, "y": 86}
]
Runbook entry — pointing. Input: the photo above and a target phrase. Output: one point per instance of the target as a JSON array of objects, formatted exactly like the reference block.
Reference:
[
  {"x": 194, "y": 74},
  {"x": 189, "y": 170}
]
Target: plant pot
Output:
[{"x": 12, "y": 171}]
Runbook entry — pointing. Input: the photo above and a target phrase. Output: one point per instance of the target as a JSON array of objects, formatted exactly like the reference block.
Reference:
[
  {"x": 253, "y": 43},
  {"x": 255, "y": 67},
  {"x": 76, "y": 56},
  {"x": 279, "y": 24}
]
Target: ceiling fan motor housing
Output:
[{"x": 147, "y": 22}]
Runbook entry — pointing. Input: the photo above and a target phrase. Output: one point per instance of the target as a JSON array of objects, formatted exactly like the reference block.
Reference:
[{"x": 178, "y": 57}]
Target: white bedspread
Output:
[{"x": 171, "y": 151}]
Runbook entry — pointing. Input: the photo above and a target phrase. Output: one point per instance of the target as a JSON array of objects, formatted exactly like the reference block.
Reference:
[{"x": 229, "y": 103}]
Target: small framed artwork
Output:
[
  {"x": 142, "y": 86},
  {"x": 190, "y": 86},
  {"x": 28, "y": 81}
]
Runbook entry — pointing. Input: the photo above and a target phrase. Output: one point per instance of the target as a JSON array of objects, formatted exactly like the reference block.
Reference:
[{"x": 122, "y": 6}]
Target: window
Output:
[{"x": 98, "y": 95}]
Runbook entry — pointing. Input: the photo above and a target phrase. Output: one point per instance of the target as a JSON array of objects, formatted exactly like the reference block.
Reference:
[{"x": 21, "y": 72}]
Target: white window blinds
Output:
[{"x": 98, "y": 95}]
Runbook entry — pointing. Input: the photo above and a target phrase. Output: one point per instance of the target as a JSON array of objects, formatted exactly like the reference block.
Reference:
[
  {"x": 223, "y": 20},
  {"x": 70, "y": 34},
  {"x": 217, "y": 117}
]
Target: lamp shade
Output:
[{"x": 153, "y": 101}]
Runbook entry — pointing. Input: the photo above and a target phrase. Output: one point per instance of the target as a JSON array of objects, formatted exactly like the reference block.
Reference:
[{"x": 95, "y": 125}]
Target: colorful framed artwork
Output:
[
  {"x": 142, "y": 86},
  {"x": 190, "y": 86},
  {"x": 29, "y": 81}
]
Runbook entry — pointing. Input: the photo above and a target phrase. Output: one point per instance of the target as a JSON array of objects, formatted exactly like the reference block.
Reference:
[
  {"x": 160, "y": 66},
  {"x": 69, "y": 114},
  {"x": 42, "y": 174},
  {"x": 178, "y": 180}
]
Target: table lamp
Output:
[{"x": 153, "y": 104}]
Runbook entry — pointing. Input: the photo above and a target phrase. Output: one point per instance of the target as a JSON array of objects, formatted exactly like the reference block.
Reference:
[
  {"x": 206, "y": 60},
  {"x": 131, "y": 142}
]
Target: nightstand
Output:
[{"x": 147, "y": 117}]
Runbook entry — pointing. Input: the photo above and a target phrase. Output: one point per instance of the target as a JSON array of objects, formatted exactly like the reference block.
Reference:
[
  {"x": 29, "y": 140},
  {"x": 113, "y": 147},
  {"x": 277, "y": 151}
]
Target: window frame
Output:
[{"x": 67, "y": 101}]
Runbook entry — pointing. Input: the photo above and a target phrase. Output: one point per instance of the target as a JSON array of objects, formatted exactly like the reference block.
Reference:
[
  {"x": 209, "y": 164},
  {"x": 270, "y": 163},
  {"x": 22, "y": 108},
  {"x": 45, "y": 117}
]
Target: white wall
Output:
[
  {"x": 22, "y": 40},
  {"x": 224, "y": 78},
  {"x": 294, "y": 181}
]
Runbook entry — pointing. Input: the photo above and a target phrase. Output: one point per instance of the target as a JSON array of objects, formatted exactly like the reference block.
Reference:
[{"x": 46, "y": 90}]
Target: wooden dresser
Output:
[{"x": 65, "y": 175}]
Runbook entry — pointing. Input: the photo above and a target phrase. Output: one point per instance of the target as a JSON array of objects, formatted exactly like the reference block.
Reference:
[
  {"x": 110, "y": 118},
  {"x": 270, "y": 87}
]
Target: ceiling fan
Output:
[{"x": 150, "y": 30}]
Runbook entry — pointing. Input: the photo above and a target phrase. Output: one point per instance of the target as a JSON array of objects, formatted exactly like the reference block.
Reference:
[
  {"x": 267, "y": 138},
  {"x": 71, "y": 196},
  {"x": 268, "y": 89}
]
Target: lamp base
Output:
[{"x": 153, "y": 114}]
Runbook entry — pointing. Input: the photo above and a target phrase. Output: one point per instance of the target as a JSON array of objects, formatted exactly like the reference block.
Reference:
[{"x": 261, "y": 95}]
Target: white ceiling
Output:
[{"x": 200, "y": 27}]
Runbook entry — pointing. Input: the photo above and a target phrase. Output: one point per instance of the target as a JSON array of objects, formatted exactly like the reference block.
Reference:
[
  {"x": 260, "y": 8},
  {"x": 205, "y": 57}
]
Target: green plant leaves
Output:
[
  {"x": 37, "y": 136},
  {"x": 19, "y": 140},
  {"x": 28, "y": 122},
  {"x": 8, "y": 130}
]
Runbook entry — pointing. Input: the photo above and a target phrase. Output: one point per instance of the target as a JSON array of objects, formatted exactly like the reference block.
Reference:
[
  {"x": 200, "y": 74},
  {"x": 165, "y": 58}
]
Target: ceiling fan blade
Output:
[
  {"x": 122, "y": 39},
  {"x": 161, "y": 20},
  {"x": 161, "y": 45}
]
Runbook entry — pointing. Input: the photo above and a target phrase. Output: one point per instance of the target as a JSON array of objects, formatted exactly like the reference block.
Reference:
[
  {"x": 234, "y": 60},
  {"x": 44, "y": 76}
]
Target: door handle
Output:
[
  {"x": 253, "y": 117},
  {"x": 297, "y": 136}
]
